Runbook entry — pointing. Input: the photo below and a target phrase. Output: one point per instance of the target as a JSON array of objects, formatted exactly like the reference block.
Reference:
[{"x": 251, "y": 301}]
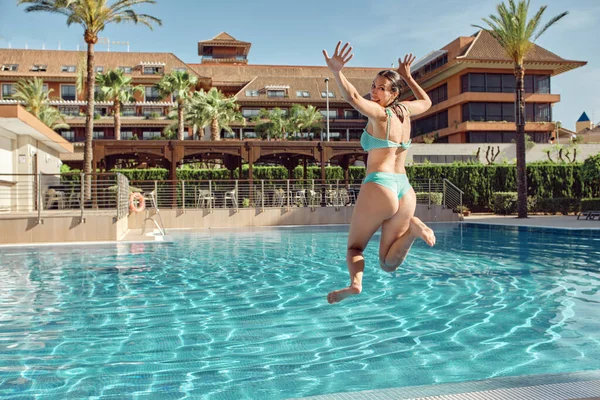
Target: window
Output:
[
  {"x": 534, "y": 112},
  {"x": 99, "y": 69},
  {"x": 494, "y": 83},
  {"x": 429, "y": 124},
  {"x": 509, "y": 82},
  {"x": 68, "y": 68},
  {"x": 508, "y": 112},
  {"x": 68, "y": 92},
  {"x": 39, "y": 68},
  {"x": 477, "y": 112},
  {"x": 179, "y": 69},
  {"x": 251, "y": 93},
  {"x": 477, "y": 82},
  {"x": 9, "y": 67},
  {"x": 542, "y": 84},
  {"x": 152, "y": 94},
  {"x": 126, "y": 135},
  {"x": 69, "y": 135},
  {"x": 276, "y": 93},
  {"x": 69, "y": 111},
  {"x": 101, "y": 110},
  {"x": 250, "y": 112},
  {"x": 152, "y": 70},
  {"x": 128, "y": 111},
  {"x": 493, "y": 111},
  {"x": 332, "y": 113},
  {"x": 150, "y": 111},
  {"x": 98, "y": 135},
  {"x": 352, "y": 114},
  {"x": 8, "y": 89},
  {"x": 146, "y": 135},
  {"x": 302, "y": 93},
  {"x": 45, "y": 88},
  {"x": 438, "y": 94},
  {"x": 126, "y": 70},
  {"x": 528, "y": 83},
  {"x": 538, "y": 112},
  {"x": 324, "y": 94}
]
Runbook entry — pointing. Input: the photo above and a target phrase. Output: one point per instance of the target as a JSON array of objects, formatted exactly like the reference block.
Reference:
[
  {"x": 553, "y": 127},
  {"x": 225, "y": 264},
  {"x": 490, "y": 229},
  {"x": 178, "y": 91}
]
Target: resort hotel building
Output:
[{"x": 470, "y": 82}]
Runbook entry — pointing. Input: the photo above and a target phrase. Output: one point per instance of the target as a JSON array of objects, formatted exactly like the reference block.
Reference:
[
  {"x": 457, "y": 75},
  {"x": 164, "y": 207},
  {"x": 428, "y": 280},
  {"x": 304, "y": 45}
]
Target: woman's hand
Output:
[
  {"x": 340, "y": 58},
  {"x": 404, "y": 66}
]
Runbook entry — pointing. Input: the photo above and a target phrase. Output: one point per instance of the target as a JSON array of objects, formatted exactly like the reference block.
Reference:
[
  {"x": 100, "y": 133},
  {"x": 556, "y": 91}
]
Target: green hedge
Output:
[
  {"x": 479, "y": 182},
  {"x": 590, "y": 204}
]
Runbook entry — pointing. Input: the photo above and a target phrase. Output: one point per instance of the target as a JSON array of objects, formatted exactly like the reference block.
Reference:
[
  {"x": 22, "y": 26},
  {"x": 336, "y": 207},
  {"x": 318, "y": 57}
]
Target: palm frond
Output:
[{"x": 549, "y": 24}]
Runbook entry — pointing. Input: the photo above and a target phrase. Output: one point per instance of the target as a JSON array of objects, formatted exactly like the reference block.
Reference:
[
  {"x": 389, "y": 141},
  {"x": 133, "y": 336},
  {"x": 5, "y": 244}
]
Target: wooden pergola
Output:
[{"x": 171, "y": 153}]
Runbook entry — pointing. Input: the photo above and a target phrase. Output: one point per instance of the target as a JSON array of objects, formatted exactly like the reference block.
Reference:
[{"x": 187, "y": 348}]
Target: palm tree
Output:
[
  {"x": 516, "y": 35},
  {"x": 273, "y": 123},
  {"x": 36, "y": 100},
  {"x": 116, "y": 87},
  {"x": 32, "y": 94},
  {"x": 214, "y": 109},
  {"x": 305, "y": 119},
  {"x": 93, "y": 16},
  {"x": 178, "y": 83},
  {"x": 53, "y": 118}
]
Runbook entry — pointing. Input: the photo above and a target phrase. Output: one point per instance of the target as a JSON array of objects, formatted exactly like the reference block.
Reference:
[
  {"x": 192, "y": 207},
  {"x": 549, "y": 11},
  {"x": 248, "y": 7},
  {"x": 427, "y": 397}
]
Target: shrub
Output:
[
  {"x": 436, "y": 198},
  {"x": 590, "y": 204},
  {"x": 504, "y": 203},
  {"x": 563, "y": 205}
]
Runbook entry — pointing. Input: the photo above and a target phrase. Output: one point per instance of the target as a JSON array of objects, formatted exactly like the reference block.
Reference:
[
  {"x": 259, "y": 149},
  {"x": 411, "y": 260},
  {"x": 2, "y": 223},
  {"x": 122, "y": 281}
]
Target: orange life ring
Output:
[{"x": 137, "y": 203}]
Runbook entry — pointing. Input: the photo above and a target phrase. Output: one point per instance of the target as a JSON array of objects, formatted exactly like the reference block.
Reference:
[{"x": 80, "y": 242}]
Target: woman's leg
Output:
[
  {"x": 399, "y": 232},
  {"x": 374, "y": 205}
]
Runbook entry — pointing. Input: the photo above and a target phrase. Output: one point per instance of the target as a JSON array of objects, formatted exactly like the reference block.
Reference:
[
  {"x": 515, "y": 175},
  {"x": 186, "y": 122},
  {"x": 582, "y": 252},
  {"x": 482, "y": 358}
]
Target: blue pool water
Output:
[{"x": 233, "y": 315}]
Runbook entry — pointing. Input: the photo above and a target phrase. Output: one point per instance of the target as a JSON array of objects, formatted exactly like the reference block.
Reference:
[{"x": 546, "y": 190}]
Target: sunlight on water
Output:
[{"x": 243, "y": 314}]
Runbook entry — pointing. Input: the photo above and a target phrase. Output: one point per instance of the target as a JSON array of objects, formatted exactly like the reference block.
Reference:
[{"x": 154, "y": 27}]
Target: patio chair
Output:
[
  {"x": 55, "y": 196},
  {"x": 589, "y": 215},
  {"x": 231, "y": 196},
  {"x": 205, "y": 199},
  {"x": 257, "y": 198},
  {"x": 278, "y": 197}
]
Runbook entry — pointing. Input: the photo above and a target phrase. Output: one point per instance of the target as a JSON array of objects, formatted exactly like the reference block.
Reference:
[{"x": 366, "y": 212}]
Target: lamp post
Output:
[{"x": 327, "y": 99}]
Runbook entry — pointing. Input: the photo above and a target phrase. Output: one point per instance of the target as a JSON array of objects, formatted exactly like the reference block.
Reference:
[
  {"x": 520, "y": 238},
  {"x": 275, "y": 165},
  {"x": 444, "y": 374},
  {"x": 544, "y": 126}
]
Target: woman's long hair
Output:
[{"x": 396, "y": 81}]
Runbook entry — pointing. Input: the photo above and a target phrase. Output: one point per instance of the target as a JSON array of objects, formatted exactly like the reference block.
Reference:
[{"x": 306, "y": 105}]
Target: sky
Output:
[{"x": 294, "y": 33}]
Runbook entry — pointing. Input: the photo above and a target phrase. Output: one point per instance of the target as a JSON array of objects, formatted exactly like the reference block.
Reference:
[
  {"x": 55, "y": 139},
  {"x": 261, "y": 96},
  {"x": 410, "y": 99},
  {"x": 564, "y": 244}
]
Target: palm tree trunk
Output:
[
  {"x": 214, "y": 130},
  {"x": 520, "y": 139},
  {"x": 180, "y": 120},
  {"x": 117, "y": 111},
  {"x": 89, "y": 119}
]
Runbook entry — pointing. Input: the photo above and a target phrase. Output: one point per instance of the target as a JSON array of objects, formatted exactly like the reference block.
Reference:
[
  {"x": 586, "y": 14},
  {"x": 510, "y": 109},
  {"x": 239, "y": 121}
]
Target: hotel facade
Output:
[{"x": 470, "y": 82}]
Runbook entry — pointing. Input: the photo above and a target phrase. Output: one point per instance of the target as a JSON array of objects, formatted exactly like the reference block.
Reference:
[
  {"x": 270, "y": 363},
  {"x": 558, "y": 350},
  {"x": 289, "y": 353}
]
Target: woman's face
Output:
[{"x": 381, "y": 91}]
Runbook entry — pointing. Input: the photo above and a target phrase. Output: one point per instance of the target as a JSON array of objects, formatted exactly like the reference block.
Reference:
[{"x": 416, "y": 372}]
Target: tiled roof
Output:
[
  {"x": 485, "y": 47},
  {"x": 55, "y": 59},
  {"x": 305, "y": 78},
  {"x": 314, "y": 85}
]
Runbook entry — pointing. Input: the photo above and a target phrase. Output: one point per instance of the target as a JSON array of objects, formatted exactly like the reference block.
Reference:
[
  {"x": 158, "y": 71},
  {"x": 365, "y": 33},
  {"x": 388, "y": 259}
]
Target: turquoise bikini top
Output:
[{"x": 368, "y": 141}]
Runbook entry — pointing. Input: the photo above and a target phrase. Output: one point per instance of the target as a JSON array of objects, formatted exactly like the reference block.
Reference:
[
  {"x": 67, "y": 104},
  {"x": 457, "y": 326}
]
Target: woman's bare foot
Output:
[
  {"x": 339, "y": 295},
  {"x": 420, "y": 230}
]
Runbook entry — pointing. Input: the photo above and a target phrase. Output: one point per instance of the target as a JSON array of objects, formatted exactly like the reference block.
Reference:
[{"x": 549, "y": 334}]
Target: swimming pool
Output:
[{"x": 243, "y": 314}]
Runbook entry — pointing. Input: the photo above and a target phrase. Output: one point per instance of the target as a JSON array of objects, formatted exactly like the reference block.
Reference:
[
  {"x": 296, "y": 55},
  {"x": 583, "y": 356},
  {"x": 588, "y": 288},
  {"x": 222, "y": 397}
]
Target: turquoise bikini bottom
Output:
[{"x": 398, "y": 183}]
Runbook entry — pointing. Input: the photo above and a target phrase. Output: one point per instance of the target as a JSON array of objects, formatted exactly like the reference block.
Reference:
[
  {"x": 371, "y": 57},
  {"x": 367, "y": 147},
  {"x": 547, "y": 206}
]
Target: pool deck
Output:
[
  {"x": 538, "y": 221},
  {"x": 570, "y": 386}
]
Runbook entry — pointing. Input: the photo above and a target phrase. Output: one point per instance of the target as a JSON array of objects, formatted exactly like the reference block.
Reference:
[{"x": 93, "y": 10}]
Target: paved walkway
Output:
[{"x": 546, "y": 221}]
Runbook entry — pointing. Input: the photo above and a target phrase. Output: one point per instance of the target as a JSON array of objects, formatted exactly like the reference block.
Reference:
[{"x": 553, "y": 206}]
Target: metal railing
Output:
[
  {"x": 64, "y": 195},
  {"x": 288, "y": 193}
]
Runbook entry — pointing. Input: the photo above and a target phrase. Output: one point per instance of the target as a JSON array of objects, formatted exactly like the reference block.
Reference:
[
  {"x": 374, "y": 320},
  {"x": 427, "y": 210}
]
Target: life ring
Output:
[{"x": 137, "y": 203}]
